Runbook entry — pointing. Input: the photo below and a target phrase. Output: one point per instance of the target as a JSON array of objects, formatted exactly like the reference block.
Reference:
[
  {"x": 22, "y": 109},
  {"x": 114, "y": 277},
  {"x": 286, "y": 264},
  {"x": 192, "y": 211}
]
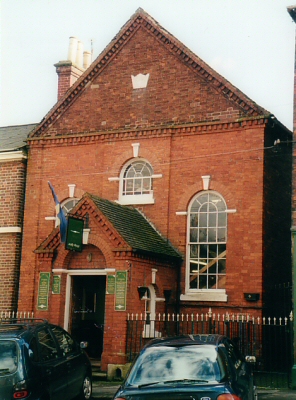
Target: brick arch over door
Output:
[{"x": 64, "y": 256}]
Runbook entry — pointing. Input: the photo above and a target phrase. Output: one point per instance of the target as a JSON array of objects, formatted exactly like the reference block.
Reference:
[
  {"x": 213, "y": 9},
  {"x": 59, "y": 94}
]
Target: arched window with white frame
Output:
[
  {"x": 68, "y": 204},
  {"x": 206, "y": 246},
  {"x": 136, "y": 183}
]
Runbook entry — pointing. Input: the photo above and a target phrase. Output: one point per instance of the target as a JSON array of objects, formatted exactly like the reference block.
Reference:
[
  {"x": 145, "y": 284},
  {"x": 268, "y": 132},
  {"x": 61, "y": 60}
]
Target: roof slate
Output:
[
  {"x": 135, "y": 229},
  {"x": 14, "y": 137}
]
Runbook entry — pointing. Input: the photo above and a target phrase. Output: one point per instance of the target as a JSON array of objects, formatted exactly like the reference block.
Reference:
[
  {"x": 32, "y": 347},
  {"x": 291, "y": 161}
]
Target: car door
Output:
[
  {"x": 74, "y": 358},
  {"x": 244, "y": 376},
  {"x": 51, "y": 364}
]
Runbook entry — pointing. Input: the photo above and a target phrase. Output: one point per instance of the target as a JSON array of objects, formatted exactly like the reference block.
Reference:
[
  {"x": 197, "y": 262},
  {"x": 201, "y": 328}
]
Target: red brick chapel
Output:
[{"x": 182, "y": 182}]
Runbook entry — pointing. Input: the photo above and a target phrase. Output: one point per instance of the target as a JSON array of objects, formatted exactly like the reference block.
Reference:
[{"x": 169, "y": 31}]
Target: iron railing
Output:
[
  {"x": 16, "y": 315},
  {"x": 269, "y": 339}
]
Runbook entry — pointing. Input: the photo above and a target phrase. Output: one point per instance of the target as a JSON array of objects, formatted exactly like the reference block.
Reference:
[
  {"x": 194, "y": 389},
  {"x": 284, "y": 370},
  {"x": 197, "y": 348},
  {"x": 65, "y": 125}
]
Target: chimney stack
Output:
[{"x": 71, "y": 69}]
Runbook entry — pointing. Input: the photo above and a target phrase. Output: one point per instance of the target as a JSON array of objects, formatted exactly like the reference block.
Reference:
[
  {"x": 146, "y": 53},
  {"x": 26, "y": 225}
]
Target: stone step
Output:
[{"x": 99, "y": 375}]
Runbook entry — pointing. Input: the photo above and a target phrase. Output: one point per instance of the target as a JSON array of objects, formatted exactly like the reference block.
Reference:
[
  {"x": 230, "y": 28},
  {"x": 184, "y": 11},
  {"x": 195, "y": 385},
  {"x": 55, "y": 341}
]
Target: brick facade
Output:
[
  {"x": 12, "y": 190},
  {"x": 189, "y": 123}
]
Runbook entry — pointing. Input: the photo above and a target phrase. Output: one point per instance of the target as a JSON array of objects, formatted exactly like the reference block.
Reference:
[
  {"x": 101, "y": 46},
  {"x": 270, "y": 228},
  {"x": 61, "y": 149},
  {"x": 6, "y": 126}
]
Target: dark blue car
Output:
[
  {"x": 41, "y": 361},
  {"x": 195, "y": 367}
]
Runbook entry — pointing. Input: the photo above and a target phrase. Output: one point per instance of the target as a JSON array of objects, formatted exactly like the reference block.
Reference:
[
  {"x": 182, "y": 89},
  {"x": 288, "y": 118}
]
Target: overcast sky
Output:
[{"x": 249, "y": 42}]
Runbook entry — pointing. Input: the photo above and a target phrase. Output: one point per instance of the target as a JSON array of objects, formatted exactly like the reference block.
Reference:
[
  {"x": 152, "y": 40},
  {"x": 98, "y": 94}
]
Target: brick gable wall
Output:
[{"x": 175, "y": 94}]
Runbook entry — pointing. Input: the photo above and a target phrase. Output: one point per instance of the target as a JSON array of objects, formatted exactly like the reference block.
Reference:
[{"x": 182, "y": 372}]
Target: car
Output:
[
  {"x": 196, "y": 367},
  {"x": 41, "y": 361}
]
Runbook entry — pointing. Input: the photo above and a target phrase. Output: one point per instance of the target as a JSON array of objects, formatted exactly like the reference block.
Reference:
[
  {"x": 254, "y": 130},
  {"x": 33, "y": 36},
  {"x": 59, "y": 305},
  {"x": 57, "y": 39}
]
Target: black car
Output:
[
  {"x": 196, "y": 367},
  {"x": 41, "y": 361}
]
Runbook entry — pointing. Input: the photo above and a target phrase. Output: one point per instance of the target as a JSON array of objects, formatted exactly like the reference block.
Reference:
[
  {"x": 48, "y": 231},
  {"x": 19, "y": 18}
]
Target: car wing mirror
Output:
[
  {"x": 250, "y": 359},
  {"x": 83, "y": 345},
  {"x": 31, "y": 354}
]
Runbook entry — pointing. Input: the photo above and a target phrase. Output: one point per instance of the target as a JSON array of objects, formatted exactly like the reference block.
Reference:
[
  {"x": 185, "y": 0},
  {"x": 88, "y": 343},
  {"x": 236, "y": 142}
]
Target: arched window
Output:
[
  {"x": 207, "y": 237},
  {"x": 68, "y": 204},
  {"x": 136, "y": 183}
]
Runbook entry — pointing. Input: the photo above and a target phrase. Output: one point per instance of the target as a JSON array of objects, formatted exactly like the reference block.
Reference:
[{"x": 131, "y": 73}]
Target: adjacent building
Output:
[{"x": 13, "y": 163}]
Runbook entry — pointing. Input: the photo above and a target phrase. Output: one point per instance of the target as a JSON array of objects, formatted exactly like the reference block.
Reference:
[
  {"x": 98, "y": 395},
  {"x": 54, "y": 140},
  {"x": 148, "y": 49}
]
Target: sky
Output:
[{"x": 251, "y": 43}]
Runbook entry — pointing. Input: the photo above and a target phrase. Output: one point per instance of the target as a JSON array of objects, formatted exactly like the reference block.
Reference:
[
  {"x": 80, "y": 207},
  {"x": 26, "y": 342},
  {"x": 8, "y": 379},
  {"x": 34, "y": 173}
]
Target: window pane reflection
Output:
[{"x": 174, "y": 363}]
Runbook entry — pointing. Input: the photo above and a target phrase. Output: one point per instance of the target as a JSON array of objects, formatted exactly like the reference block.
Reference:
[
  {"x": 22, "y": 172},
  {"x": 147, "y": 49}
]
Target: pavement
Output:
[{"x": 105, "y": 390}]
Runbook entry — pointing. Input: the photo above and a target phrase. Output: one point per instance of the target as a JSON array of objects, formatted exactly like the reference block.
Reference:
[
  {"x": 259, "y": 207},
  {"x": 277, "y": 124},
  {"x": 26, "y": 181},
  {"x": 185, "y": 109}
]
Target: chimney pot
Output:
[
  {"x": 72, "y": 49},
  {"x": 86, "y": 59},
  {"x": 79, "y": 55}
]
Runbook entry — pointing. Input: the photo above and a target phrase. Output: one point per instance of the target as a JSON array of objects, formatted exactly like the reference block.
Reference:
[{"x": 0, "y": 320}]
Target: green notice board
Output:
[
  {"x": 120, "y": 290},
  {"x": 110, "y": 284},
  {"x": 42, "y": 302},
  {"x": 56, "y": 284}
]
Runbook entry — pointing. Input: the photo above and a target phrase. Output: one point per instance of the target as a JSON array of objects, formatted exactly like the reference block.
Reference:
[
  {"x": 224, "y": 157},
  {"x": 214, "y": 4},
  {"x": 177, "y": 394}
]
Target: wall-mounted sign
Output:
[
  {"x": 110, "y": 284},
  {"x": 120, "y": 290},
  {"x": 74, "y": 234},
  {"x": 56, "y": 284},
  {"x": 42, "y": 302}
]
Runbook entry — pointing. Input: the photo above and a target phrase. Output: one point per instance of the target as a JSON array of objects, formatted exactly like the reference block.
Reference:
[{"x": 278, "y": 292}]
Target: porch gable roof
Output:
[{"x": 133, "y": 227}]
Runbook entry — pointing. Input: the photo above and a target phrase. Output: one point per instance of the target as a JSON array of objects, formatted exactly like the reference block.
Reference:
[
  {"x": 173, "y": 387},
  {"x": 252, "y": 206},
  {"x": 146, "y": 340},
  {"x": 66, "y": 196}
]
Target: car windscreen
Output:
[
  {"x": 8, "y": 357},
  {"x": 169, "y": 363}
]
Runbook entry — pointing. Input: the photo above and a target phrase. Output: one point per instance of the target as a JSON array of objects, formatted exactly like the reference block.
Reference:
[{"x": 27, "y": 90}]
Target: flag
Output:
[{"x": 62, "y": 221}]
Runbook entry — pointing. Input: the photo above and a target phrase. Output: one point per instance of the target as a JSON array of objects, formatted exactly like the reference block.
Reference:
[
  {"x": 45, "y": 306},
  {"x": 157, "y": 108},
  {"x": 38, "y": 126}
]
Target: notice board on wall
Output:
[{"x": 120, "y": 290}]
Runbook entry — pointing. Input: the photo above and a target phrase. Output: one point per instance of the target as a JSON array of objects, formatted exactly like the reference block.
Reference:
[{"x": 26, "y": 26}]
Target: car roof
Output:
[
  {"x": 15, "y": 328},
  {"x": 187, "y": 340}
]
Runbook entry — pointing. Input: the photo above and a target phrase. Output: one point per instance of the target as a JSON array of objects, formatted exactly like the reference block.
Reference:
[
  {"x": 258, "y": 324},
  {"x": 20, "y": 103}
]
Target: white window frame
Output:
[
  {"x": 201, "y": 294},
  {"x": 65, "y": 202},
  {"x": 150, "y": 313},
  {"x": 65, "y": 210},
  {"x": 143, "y": 198}
]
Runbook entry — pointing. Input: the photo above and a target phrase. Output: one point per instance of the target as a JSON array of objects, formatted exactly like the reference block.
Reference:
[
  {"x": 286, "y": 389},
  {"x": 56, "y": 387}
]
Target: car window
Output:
[
  {"x": 47, "y": 345},
  {"x": 8, "y": 357},
  {"x": 175, "y": 363},
  {"x": 33, "y": 350},
  {"x": 65, "y": 341},
  {"x": 234, "y": 354}
]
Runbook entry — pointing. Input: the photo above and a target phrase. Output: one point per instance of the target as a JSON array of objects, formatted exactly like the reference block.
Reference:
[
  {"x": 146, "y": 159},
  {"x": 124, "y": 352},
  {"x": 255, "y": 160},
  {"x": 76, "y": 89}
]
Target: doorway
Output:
[{"x": 87, "y": 312}]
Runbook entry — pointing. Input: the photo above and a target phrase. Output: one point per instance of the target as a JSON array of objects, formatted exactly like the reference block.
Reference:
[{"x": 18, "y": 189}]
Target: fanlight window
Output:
[
  {"x": 207, "y": 242},
  {"x": 137, "y": 179},
  {"x": 68, "y": 205}
]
